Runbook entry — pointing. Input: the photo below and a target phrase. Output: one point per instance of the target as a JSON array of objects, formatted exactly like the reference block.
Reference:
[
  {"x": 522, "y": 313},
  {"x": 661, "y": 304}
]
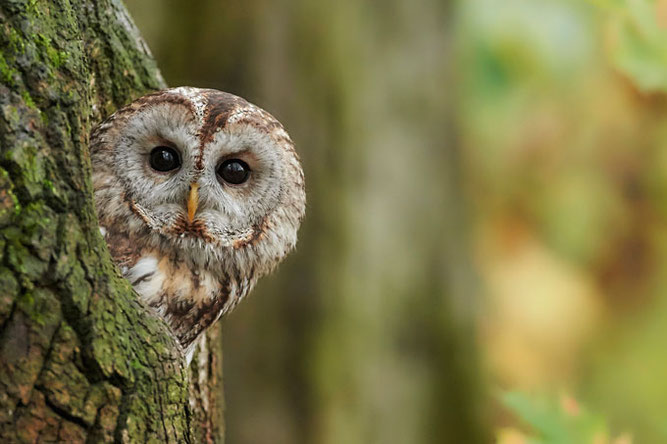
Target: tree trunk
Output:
[{"x": 80, "y": 358}]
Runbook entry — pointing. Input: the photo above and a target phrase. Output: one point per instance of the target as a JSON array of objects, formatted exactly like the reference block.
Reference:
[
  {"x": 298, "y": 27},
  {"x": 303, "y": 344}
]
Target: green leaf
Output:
[
  {"x": 556, "y": 421},
  {"x": 638, "y": 43}
]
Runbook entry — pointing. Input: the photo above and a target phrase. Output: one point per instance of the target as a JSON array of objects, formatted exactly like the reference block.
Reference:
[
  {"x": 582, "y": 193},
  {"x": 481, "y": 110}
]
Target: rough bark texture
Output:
[
  {"x": 80, "y": 358},
  {"x": 206, "y": 391}
]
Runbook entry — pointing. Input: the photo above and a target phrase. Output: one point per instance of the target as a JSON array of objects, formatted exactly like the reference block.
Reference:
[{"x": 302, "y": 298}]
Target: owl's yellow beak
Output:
[{"x": 193, "y": 201}]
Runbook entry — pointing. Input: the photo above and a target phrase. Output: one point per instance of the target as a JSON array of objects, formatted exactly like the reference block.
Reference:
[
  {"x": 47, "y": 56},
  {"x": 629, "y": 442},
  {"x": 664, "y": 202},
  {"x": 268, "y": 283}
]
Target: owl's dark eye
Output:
[
  {"x": 164, "y": 158},
  {"x": 233, "y": 171}
]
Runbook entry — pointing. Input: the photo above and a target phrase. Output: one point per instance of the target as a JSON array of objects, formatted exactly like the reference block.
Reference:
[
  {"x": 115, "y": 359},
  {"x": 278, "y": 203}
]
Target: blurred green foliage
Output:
[
  {"x": 563, "y": 133},
  {"x": 638, "y": 40},
  {"x": 556, "y": 422}
]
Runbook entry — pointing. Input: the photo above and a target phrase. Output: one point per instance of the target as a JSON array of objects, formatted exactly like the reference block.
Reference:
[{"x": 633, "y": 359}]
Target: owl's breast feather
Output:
[
  {"x": 178, "y": 277},
  {"x": 189, "y": 299}
]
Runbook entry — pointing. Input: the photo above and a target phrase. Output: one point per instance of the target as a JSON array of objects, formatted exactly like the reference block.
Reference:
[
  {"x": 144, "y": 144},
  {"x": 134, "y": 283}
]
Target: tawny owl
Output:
[{"x": 199, "y": 193}]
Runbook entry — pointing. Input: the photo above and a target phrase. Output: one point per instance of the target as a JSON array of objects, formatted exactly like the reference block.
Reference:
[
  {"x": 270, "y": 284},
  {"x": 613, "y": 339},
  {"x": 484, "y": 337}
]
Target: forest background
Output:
[{"x": 486, "y": 236}]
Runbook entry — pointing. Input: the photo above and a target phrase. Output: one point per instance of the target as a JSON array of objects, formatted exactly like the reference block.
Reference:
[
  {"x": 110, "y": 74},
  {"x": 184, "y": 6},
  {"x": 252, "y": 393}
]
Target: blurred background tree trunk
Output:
[
  {"x": 366, "y": 333},
  {"x": 80, "y": 359}
]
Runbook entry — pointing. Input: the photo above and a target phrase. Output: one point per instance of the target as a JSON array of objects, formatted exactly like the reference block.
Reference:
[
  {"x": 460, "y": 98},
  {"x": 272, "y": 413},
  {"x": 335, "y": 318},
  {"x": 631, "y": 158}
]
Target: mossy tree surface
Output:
[{"x": 80, "y": 358}]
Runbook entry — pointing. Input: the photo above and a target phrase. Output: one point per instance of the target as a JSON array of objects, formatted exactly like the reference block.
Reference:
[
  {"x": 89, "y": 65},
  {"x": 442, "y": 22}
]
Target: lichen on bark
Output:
[{"x": 80, "y": 358}]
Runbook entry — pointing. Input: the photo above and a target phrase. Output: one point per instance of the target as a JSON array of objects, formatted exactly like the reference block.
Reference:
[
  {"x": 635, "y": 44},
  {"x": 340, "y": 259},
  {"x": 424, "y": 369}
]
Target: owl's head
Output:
[{"x": 202, "y": 173}]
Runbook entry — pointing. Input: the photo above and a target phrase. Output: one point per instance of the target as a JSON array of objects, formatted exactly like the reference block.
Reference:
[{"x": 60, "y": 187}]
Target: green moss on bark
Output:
[{"x": 80, "y": 358}]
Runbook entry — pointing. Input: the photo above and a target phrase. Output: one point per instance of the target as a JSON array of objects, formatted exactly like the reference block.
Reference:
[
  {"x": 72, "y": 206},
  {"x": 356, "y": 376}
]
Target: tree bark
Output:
[
  {"x": 80, "y": 358},
  {"x": 206, "y": 391}
]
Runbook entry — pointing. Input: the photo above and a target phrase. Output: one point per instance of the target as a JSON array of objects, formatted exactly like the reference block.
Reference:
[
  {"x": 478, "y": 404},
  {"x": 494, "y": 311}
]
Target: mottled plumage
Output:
[{"x": 192, "y": 244}]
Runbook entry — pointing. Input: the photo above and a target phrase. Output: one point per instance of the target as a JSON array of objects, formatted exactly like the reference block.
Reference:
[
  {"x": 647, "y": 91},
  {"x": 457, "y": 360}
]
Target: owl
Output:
[{"x": 199, "y": 193}]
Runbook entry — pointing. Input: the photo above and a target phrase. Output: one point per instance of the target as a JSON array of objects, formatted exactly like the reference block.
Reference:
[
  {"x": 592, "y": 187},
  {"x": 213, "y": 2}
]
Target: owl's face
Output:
[{"x": 205, "y": 174}]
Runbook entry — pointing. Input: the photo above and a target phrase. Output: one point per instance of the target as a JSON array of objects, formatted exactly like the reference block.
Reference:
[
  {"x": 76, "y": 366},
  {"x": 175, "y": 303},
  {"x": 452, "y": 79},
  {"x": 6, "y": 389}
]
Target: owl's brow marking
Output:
[
  {"x": 160, "y": 97},
  {"x": 139, "y": 104},
  {"x": 219, "y": 106}
]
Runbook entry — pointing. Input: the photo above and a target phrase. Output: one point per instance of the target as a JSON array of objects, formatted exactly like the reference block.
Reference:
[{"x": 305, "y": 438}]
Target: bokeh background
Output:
[{"x": 485, "y": 248}]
